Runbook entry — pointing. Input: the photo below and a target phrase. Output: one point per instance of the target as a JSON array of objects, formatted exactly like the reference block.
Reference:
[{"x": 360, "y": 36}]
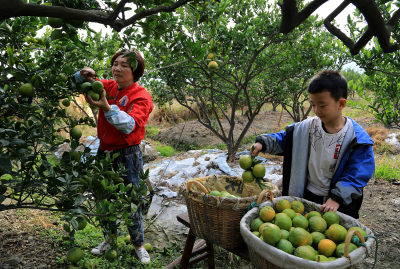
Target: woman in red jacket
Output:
[{"x": 121, "y": 127}]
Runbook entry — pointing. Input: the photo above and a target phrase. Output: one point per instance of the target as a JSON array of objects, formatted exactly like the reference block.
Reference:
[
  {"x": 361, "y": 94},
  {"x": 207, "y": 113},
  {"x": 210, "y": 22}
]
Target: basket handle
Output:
[
  {"x": 349, "y": 236},
  {"x": 260, "y": 197},
  {"x": 192, "y": 181}
]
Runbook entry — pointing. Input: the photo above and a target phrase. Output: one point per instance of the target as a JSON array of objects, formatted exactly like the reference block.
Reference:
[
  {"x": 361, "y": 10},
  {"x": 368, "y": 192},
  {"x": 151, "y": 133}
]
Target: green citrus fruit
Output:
[
  {"x": 210, "y": 56},
  {"x": 97, "y": 86},
  {"x": 267, "y": 213},
  {"x": 312, "y": 214},
  {"x": 247, "y": 176},
  {"x": 340, "y": 249},
  {"x": 284, "y": 234},
  {"x": 81, "y": 222},
  {"x": 256, "y": 233},
  {"x": 213, "y": 65},
  {"x": 95, "y": 96},
  {"x": 110, "y": 254},
  {"x": 285, "y": 245},
  {"x": 300, "y": 221},
  {"x": 148, "y": 247},
  {"x": 317, "y": 224},
  {"x": 26, "y": 89},
  {"x": 336, "y": 232},
  {"x": 299, "y": 237},
  {"x": 283, "y": 221},
  {"x": 74, "y": 255},
  {"x": 297, "y": 206},
  {"x": 245, "y": 162},
  {"x": 259, "y": 170},
  {"x": 75, "y": 155},
  {"x": 331, "y": 217},
  {"x": 215, "y": 193},
  {"x": 271, "y": 234},
  {"x": 127, "y": 239},
  {"x": 76, "y": 133},
  {"x": 305, "y": 252},
  {"x": 290, "y": 212},
  {"x": 55, "y": 22},
  {"x": 282, "y": 204},
  {"x": 362, "y": 232},
  {"x": 316, "y": 238},
  {"x": 66, "y": 102},
  {"x": 321, "y": 258},
  {"x": 255, "y": 224},
  {"x": 86, "y": 86}
]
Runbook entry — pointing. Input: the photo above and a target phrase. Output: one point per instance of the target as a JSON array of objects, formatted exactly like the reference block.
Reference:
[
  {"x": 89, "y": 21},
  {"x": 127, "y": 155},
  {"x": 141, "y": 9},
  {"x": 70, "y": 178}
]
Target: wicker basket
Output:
[
  {"x": 263, "y": 255},
  {"x": 217, "y": 219}
]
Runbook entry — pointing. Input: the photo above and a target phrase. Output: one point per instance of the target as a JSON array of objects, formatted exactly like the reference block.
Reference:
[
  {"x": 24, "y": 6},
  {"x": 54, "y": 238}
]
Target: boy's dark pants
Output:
[{"x": 351, "y": 209}]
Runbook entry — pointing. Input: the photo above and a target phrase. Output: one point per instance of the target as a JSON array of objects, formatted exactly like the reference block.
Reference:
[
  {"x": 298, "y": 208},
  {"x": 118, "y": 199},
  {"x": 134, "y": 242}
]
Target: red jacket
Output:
[{"x": 135, "y": 101}]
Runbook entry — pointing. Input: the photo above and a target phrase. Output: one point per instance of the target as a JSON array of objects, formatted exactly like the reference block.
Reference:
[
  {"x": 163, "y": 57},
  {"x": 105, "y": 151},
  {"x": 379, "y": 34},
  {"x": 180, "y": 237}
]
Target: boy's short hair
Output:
[{"x": 331, "y": 81}]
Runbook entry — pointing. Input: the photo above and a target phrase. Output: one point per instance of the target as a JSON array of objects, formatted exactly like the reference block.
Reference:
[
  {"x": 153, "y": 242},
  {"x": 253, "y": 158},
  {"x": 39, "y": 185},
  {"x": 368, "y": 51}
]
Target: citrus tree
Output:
[{"x": 228, "y": 58}]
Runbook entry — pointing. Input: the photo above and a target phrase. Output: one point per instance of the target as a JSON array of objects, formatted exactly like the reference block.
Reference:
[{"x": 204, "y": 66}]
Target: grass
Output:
[
  {"x": 165, "y": 150},
  {"x": 387, "y": 167}
]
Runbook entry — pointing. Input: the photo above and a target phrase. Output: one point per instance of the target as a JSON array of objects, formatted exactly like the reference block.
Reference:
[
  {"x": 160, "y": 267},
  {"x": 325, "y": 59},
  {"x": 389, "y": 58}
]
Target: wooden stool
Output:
[{"x": 194, "y": 253}]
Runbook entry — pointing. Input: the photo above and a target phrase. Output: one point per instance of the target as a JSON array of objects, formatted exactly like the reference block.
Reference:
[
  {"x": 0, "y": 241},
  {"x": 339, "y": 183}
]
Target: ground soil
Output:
[{"x": 23, "y": 245}]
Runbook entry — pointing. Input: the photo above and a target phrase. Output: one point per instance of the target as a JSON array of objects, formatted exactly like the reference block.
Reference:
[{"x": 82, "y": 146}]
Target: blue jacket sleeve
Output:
[
  {"x": 120, "y": 119},
  {"x": 272, "y": 143},
  {"x": 353, "y": 175}
]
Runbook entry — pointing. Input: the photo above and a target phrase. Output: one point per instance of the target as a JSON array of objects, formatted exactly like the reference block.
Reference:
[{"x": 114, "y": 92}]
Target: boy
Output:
[{"x": 328, "y": 159}]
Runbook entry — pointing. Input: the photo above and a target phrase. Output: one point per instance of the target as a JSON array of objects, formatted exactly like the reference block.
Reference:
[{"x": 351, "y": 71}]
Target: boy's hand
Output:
[
  {"x": 330, "y": 205},
  {"x": 255, "y": 149}
]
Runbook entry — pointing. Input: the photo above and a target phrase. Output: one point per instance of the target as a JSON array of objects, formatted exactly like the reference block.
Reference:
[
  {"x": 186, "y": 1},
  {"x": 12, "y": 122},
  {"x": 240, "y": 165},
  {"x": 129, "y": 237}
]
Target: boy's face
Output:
[{"x": 326, "y": 107}]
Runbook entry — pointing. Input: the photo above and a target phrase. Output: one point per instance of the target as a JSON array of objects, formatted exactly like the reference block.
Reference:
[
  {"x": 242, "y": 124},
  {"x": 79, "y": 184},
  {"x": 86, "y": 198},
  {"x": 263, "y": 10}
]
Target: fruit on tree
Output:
[
  {"x": 74, "y": 255},
  {"x": 210, "y": 56},
  {"x": 55, "y": 22},
  {"x": 66, "y": 102},
  {"x": 27, "y": 90},
  {"x": 213, "y": 65},
  {"x": 81, "y": 222},
  {"x": 86, "y": 87},
  {"x": 110, "y": 254},
  {"x": 97, "y": 86},
  {"x": 76, "y": 133}
]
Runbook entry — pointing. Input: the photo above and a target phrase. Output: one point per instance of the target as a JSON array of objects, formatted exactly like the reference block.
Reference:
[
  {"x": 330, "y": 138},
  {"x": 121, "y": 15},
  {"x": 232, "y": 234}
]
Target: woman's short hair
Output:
[{"x": 138, "y": 72}]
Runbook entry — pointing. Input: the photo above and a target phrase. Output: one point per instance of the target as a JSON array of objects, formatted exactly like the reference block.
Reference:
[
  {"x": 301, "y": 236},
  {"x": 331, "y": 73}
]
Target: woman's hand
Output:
[
  {"x": 101, "y": 103},
  {"x": 88, "y": 73}
]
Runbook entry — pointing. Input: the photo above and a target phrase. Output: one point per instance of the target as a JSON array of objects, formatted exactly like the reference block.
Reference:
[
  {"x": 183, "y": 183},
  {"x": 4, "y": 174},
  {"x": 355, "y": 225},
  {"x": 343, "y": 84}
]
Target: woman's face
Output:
[{"x": 122, "y": 71}]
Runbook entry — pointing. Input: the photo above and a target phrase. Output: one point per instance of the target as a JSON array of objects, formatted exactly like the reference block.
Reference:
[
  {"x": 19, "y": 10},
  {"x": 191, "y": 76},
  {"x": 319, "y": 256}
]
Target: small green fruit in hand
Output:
[
  {"x": 213, "y": 65},
  {"x": 66, "y": 102},
  {"x": 259, "y": 170},
  {"x": 86, "y": 87},
  {"x": 74, "y": 255},
  {"x": 245, "y": 162},
  {"x": 95, "y": 96},
  {"x": 27, "y": 90},
  {"x": 247, "y": 176},
  {"x": 76, "y": 133},
  {"x": 97, "y": 86},
  {"x": 148, "y": 247},
  {"x": 55, "y": 22}
]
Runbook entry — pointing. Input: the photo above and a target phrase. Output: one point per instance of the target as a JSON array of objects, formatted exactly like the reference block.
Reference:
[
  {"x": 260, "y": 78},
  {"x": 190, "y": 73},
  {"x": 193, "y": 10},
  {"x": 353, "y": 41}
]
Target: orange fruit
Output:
[
  {"x": 267, "y": 213},
  {"x": 282, "y": 204},
  {"x": 297, "y": 206},
  {"x": 326, "y": 247}
]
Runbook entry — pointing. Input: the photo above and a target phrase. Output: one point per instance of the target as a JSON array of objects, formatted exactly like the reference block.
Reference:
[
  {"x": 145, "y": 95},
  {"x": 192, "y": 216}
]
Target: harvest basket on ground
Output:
[
  {"x": 216, "y": 219},
  {"x": 263, "y": 255}
]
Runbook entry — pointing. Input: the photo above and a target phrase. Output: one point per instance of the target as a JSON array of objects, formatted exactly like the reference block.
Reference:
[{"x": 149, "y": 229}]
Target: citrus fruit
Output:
[
  {"x": 74, "y": 255},
  {"x": 331, "y": 259},
  {"x": 110, "y": 254},
  {"x": 282, "y": 204},
  {"x": 97, "y": 86},
  {"x": 255, "y": 224},
  {"x": 336, "y": 232},
  {"x": 267, "y": 213},
  {"x": 316, "y": 238},
  {"x": 300, "y": 221},
  {"x": 75, "y": 133},
  {"x": 75, "y": 155},
  {"x": 66, "y": 102},
  {"x": 297, "y": 206},
  {"x": 321, "y": 258},
  {"x": 283, "y": 221},
  {"x": 215, "y": 193},
  {"x": 256, "y": 233},
  {"x": 245, "y": 162},
  {"x": 259, "y": 170},
  {"x": 331, "y": 217},
  {"x": 340, "y": 249},
  {"x": 285, "y": 245},
  {"x": 247, "y": 176},
  {"x": 127, "y": 239},
  {"x": 305, "y": 252},
  {"x": 86, "y": 86},
  {"x": 299, "y": 237},
  {"x": 271, "y": 234},
  {"x": 95, "y": 96},
  {"x": 362, "y": 232},
  {"x": 326, "y": 247},
  {"x": 262, "y": 226},
  {"x": 213, "y": 65},
  {"x": 210, "y": 56},
  {"x": 312, "y": 214},
  {"x": 55, "y": 22},
  {"x": 148, "y": 247},
  {"x": 284, "y": 234},
  {"x": 81, "y": 222},
  {"x": 290, "y": 212},
  {"x": 26, "y": 89},
  {"x": 317, "y": 224}
]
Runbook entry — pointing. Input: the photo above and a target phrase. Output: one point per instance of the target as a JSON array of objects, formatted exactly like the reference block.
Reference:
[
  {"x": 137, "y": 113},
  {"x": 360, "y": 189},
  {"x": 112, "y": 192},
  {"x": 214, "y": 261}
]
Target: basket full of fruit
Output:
[
  {"x": 291, "y": 232},
  {"x": 217, "y": 203}
]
